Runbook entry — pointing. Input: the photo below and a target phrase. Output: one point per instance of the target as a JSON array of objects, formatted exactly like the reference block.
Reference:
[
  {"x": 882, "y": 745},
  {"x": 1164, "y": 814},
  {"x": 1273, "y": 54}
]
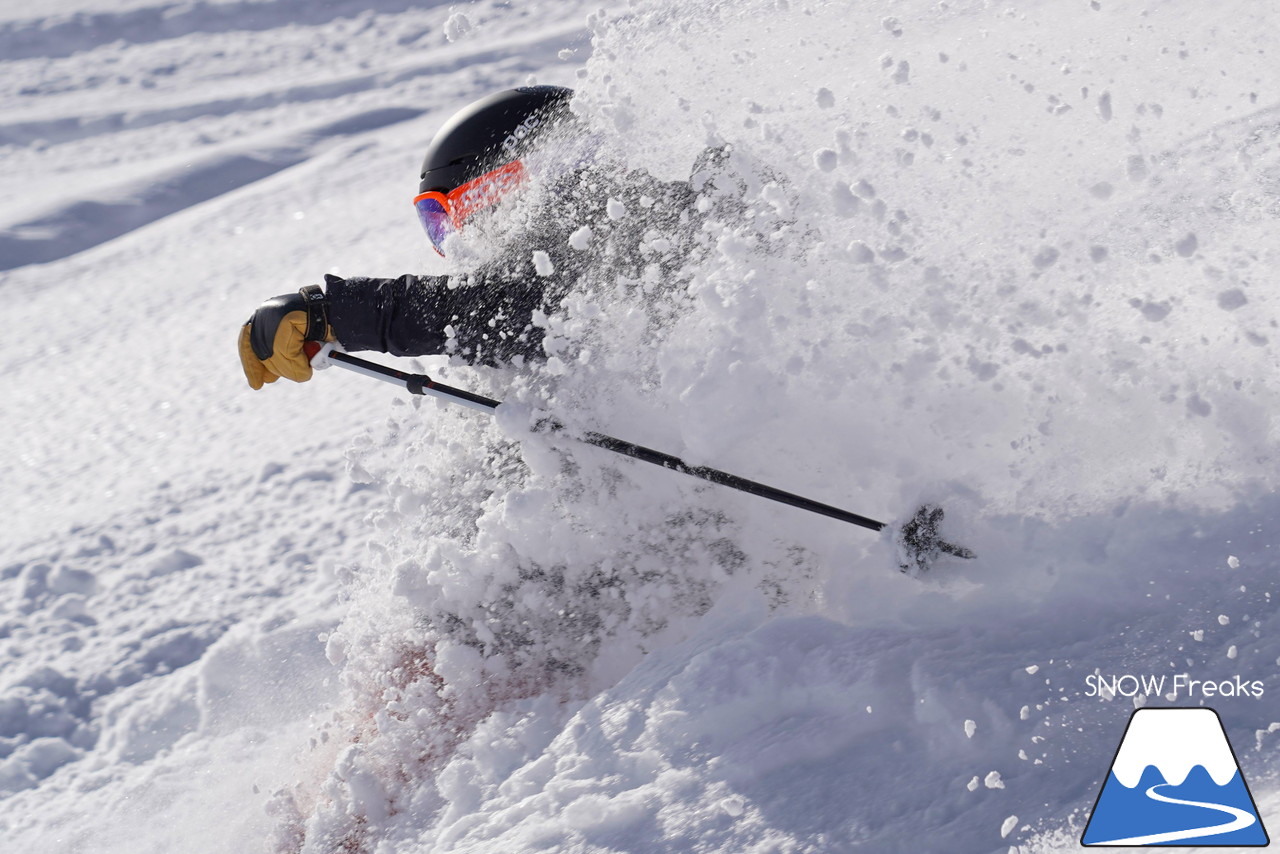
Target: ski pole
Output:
[{"x": 423, "y": 385}]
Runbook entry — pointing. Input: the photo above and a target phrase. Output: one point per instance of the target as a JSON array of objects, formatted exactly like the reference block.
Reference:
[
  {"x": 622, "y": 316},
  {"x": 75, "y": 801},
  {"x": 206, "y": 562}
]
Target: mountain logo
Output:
[{"x": 1175, "y": 781}]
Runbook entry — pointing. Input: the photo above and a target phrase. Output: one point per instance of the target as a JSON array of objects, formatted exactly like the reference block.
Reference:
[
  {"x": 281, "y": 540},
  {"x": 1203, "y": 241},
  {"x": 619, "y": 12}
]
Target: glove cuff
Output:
[{"x": 317, "y": 307}]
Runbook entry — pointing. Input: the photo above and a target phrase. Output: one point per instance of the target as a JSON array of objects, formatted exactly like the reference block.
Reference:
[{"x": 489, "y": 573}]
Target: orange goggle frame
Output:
[{"x": 441, "y": 214}]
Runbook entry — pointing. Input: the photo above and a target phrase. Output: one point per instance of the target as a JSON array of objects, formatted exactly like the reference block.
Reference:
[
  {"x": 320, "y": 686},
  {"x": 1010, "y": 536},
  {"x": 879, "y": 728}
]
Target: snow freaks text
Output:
[{"x": 1172, "y": 687}]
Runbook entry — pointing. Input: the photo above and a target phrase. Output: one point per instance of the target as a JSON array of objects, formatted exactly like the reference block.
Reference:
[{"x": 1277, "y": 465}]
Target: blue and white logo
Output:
[{"x": 1175, "y": 781}]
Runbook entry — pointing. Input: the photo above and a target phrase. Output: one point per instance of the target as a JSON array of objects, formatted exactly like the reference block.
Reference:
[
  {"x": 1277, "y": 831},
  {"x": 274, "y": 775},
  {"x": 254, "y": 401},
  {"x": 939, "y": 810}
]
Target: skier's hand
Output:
[{"x": 271, "y": 343}]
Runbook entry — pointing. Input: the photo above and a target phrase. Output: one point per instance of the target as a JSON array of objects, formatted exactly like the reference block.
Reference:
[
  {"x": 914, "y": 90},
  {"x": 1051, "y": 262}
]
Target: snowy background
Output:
[{"x": 1017, "y": 258}]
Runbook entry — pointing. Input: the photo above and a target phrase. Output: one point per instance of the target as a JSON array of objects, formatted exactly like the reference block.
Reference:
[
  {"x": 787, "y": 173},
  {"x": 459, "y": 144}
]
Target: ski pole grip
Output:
[{"x": 318, "y": 354}]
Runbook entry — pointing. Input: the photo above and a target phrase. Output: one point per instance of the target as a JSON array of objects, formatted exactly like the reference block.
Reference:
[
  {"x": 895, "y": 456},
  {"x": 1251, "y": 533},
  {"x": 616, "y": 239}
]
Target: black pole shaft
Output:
[
  {"x": 723, "y": 478},
  {"x": 424, "y": 385}
]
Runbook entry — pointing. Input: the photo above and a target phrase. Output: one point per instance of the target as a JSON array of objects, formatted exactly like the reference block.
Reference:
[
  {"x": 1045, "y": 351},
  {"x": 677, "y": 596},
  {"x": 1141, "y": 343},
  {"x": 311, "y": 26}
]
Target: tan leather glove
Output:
[{"x": 271, "y": 343}]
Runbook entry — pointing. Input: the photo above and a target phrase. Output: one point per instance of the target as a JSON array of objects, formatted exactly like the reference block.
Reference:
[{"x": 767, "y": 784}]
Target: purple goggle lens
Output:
[{"x": 435, "y": 221}]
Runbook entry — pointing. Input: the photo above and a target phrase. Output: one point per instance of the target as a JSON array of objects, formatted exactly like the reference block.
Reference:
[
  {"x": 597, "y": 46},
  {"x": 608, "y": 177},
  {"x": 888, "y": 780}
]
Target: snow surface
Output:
[{"x": 1015, "y": 258}]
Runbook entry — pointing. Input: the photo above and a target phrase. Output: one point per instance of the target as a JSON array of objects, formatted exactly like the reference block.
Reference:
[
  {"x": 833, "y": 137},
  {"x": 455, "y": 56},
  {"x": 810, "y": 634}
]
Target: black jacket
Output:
[{"x": 488, "y": 316}]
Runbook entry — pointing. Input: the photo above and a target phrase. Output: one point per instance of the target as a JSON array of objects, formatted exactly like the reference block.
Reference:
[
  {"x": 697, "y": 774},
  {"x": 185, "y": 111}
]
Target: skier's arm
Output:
[{"x": 485, "y": 321}]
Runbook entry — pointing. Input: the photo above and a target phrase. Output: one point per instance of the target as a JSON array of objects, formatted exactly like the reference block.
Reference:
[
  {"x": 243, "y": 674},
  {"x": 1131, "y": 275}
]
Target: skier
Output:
[
  {"x": 484, "y": 159},
  {"x": 558, "y": 228}
]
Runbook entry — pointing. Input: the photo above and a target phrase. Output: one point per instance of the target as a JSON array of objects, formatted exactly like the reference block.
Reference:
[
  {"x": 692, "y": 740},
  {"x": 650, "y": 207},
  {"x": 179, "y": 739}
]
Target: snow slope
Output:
[{"x": 1015, "y": 259}]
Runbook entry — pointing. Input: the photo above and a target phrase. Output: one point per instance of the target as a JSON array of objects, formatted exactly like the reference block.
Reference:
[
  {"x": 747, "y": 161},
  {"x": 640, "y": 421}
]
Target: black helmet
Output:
[{"x": 489, "y": 133}]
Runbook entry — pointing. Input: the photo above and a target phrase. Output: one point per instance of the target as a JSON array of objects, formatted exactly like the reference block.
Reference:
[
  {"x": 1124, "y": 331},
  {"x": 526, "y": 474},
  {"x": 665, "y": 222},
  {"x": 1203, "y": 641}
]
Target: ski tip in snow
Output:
[{"x": 920, "y": 542}]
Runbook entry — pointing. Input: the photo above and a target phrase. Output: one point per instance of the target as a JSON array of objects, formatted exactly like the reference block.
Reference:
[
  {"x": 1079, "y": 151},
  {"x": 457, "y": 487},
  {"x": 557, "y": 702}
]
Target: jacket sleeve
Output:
[{"x": 484, "y": 321}]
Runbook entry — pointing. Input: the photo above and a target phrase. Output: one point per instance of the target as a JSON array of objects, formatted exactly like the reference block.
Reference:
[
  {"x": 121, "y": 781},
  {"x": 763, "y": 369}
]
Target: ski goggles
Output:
[{"x": 441, "y": 214}]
